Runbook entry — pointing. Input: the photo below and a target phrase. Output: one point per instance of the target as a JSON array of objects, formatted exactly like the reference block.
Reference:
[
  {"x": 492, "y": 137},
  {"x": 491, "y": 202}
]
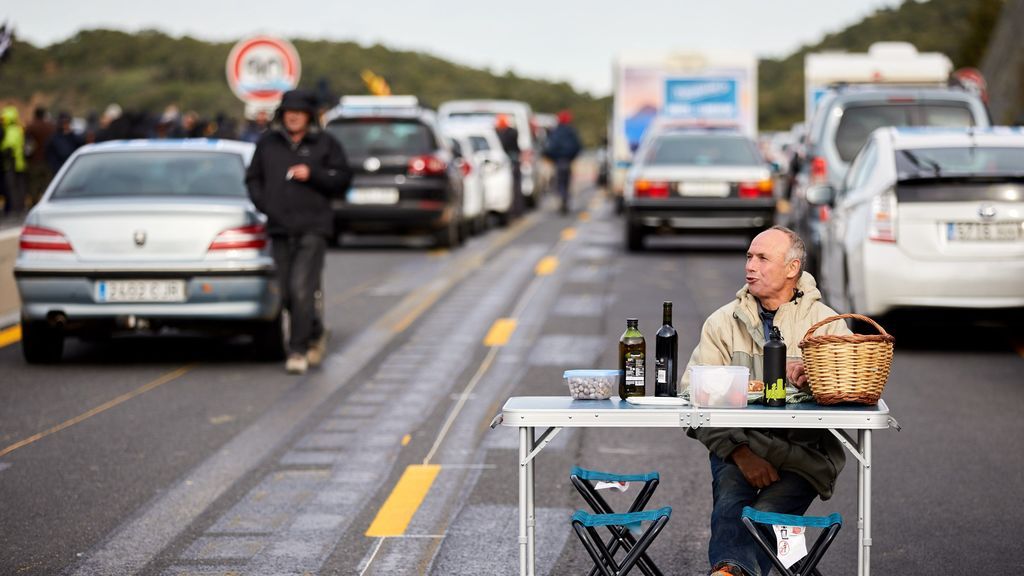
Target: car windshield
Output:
[
  {"x": 383, "y": 137},
  {"x": 966, "y": 161},
  {"x": 153, "y": 173},
  {"x": 701, "y": 150},
  {"x": 859, "y": 122}
]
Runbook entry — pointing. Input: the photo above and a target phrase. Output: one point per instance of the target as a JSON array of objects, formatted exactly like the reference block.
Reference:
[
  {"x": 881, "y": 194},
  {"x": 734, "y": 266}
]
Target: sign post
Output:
[{"x": 261, "y": 69}]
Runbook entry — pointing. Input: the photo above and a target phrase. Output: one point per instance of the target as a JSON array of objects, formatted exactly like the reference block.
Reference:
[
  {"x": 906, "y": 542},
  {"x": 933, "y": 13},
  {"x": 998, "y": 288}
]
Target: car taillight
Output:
[
  {"x": 819, "y": 170},
  {"x": 252, "y": 237},
  {"x": 426, "y": 166},
  {"x": 759, "y": 189},
  {"x": 883, "y": 217},
  {"x": 466, "y": 168},
  {"x": 649, "y": 189},
  {"x": 39, "y": 238}
]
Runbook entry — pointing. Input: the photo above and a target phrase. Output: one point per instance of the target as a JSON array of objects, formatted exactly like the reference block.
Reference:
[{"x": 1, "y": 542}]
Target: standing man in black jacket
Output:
[
  {"x": 562, "y": 148},
  {"x": 295, "y": 172}
]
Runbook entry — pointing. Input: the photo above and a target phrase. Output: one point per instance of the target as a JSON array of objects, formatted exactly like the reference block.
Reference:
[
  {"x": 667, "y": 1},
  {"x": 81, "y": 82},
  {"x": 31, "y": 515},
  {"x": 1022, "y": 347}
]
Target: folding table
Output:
[{"x": 553, "y": 413}]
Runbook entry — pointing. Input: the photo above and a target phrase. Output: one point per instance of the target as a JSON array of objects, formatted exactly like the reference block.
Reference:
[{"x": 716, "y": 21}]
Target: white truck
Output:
[
  {"x": 883, "y": 63},
  {"x": 702, "y": 88}
]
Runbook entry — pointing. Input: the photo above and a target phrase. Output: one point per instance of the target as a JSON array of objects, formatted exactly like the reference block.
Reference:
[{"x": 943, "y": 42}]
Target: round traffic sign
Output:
[{"x": 261, "y": 69}]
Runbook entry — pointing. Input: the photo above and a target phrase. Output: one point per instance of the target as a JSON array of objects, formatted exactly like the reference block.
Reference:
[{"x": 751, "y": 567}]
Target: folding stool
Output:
[
  {"x": 808, "y": 566},
  {"x": 604, "y": 559},
  {"x": 583, "y": 480}
]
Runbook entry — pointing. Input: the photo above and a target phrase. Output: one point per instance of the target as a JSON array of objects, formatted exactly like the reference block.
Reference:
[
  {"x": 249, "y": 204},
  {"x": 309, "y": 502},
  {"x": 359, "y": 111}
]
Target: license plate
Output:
[
  {"x": 373, "y": 195},
  {"x": 984, "y": 231},
  {"x": 720, "y": 189},
  {"x": 140, "y": 291}
]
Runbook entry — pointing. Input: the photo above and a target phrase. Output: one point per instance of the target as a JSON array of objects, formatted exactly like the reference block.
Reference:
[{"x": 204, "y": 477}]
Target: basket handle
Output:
[{"x": 831, "y": 319}]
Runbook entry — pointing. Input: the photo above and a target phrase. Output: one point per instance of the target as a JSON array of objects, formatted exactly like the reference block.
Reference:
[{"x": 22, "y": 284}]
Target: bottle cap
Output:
[{"x": 634, "y": 322}]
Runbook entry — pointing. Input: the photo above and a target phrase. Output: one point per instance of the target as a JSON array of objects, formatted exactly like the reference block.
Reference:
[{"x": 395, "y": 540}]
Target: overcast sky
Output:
[{"x": 557, "y": 40}]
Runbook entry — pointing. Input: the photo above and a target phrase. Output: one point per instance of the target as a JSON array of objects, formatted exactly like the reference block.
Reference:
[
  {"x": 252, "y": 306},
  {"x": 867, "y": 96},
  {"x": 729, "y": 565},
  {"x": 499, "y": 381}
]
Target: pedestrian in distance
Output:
[
  {"x": 255, "y": 128},
  {"x": 508, "y": 135},
  {"x": 12, "y": 157},
  {"x": 63, "y": 143},
  {"x": 296, "y": 171},
  {"x": 37, "y": 136},
  {"x": 775, "y": 470},
  {"x": 563, "y": 146}
]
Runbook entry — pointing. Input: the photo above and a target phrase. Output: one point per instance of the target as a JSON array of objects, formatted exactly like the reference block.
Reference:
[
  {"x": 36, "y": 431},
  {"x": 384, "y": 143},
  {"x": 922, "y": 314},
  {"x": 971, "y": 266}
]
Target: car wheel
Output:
[
  {"x": 447, "y": 236},
  {"x": 634, "y": 235},
  {"x": 41, "y": 343},
  {"x": 268, "y": 340}
]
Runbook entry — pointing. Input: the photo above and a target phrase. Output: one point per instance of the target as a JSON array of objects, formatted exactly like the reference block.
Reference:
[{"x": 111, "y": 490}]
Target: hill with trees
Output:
[{"x": 147, "y": 71}]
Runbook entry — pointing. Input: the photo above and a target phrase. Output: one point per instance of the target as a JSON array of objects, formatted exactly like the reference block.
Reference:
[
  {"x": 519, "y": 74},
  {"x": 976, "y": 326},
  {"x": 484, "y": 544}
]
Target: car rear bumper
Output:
[
  {"x": 235, "y": 297},
  {"x": 405, "y": 215},
  {"x": 702, "y": 215},
  {"x": 892, "y": 280}
]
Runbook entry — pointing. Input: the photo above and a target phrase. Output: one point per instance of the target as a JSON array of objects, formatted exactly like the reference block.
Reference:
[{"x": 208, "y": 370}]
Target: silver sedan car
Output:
[{"x": 142, "y": 235}]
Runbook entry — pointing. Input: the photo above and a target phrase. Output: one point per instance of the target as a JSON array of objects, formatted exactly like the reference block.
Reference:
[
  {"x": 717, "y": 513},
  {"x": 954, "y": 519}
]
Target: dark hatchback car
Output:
[{"x": 405, "y": 179}]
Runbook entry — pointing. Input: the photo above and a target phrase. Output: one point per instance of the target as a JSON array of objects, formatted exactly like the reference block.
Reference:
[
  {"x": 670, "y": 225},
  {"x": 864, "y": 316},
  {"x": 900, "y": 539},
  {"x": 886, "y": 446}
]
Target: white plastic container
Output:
[
  {"x": 592, "y": 384},
  {"x": 719, "y": 386}
]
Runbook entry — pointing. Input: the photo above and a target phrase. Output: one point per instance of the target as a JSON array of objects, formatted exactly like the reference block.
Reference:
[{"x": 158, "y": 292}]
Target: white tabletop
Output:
[{"x": 563, "y": 411}]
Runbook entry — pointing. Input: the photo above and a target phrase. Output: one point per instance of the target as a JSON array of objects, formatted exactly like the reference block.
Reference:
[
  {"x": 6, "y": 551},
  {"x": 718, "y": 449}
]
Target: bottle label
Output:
[
  {"x": 635, "y": 369},
  {"x": 775, "y": 391},
  {"x": 660, "y": 371}
]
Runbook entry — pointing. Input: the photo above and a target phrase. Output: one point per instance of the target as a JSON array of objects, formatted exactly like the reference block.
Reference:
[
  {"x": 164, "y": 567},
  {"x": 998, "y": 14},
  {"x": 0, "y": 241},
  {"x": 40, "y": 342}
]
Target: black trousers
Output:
[
  {"x": 563, "y": 179},
  {"x": 300, "y": 263}
]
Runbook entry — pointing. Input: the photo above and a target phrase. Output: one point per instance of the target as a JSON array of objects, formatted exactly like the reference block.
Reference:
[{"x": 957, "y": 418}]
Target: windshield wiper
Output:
[{"x": 922, "y": 163}]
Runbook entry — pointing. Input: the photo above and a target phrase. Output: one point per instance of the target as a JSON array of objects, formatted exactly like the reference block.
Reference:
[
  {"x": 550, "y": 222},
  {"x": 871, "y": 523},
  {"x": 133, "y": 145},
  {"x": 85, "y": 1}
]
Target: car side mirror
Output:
[{"x": 820, "y": 195}]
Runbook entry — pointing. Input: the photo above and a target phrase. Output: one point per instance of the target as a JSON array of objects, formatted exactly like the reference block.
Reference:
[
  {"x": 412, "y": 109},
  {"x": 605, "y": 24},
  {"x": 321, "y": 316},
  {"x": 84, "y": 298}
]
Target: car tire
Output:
[
  {"x": 448, "y": 235},
  {"x": 634, "y": 235},
  {"x": 41, "y": 343},
  {"x": 268, "y": 340}
]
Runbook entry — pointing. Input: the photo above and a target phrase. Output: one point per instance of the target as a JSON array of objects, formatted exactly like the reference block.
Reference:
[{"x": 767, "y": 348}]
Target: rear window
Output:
[
  {"x": 859, "y": 122},
  {"x": 151, "y": 173},
  {"x": 691, "y": 150},
  {"x": 383, "y": 137},
  {"x": 967, "y": 161},
  {"x": 479, "y": 143}
]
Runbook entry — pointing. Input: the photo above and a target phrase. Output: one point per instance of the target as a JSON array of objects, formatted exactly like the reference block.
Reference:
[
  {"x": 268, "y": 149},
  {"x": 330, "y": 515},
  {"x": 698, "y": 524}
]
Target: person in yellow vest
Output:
[{"x": 12, "y": 159}]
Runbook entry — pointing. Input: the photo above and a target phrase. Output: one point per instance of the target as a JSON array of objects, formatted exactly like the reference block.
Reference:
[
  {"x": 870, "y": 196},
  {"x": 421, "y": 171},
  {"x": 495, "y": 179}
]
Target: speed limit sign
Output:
[{"x": 262, "y": 68}]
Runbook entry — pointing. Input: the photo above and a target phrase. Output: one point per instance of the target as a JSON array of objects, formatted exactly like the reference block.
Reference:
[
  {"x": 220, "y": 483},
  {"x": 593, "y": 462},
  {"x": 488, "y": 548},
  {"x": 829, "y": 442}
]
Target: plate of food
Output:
[{"x": 755, "y": 391}]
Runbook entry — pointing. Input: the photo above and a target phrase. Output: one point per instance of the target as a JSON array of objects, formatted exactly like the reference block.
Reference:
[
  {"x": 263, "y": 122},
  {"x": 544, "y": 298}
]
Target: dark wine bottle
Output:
[
  {"x": 775, "y": 370},
  {"x": 666, "y": 355},
  {"x": 632, "y": 360}
]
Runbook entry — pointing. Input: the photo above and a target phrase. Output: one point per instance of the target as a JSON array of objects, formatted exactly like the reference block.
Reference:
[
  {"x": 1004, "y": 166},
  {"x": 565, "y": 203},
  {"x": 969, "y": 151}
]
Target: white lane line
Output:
[{"x": 369, "y": 561}]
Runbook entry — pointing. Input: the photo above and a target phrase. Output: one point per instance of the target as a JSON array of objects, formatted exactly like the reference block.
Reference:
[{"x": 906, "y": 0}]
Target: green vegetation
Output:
[{"x": 149, "y": 70}]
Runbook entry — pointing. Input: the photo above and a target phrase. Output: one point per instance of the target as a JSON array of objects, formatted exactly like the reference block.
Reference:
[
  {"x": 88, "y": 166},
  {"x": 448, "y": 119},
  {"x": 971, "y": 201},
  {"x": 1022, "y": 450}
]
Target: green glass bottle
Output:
[{"x": 632, "y": 361}]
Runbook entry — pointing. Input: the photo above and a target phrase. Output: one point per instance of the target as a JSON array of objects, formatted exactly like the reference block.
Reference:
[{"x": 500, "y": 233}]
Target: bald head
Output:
[{"x": 774, "y": 265}]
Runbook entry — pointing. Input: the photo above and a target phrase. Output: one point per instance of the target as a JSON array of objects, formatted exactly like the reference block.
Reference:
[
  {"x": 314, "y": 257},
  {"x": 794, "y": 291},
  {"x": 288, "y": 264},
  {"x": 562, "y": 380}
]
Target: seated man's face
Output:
[{"x": 767, "y": 270}]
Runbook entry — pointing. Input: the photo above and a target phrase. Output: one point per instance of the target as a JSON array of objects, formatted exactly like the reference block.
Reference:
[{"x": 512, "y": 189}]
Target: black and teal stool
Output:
[
  {"x": 830, "y": 526},
  {"x": 618, "y": 525}
]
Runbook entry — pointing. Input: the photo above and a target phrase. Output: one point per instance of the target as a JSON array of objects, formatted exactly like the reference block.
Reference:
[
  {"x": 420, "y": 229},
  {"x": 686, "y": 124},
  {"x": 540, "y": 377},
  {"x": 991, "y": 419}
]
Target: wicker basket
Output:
[{"x": 848, "y": 368}]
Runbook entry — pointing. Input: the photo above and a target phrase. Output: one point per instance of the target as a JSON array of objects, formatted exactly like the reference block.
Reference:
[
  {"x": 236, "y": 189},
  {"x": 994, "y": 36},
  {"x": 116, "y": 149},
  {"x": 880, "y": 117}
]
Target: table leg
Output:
[
  {"x": 531, "y": 516},
  {"x": 524, "y": 451},
  {"x": 865, "y": 447},
  {"x": 860, "y": 506}
]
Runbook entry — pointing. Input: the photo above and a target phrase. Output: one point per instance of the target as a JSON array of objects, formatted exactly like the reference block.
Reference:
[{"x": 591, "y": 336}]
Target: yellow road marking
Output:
[
  {"x": 10, "y": 335},
  {"x": 406, "y": 439},
  {"x": 568, "y": 234},
  {"x": 438, "y": 253},
  {"x": 170, "y": 376},
  {"x": 546, "y": 266},
  {"x": 500, "y": 332},
  {"x": 396, "y": 513},
  {"x": 584, "y": 216}
]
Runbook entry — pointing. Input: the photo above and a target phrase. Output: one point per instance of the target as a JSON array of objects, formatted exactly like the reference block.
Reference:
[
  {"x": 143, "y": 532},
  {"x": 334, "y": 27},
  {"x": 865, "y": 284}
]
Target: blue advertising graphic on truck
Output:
[{"x": 718, "y": 89}]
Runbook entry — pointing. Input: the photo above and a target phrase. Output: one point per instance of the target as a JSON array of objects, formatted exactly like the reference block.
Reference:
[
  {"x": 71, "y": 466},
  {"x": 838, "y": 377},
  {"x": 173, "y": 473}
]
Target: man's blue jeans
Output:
[{"x": 730, "y": 541}]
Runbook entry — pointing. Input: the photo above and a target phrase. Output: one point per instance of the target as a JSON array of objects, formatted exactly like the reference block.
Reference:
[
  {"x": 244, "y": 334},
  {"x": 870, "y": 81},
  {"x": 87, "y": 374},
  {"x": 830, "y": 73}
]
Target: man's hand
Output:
[
  {"x": 298, "y": 172},
  {"x": 795, "y": 373},
  {"x": 758, "y": 471}
]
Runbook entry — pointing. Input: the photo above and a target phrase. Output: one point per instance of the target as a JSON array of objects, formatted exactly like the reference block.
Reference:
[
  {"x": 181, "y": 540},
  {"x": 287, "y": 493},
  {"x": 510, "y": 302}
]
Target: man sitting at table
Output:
[{"x": 773, "y": 470}]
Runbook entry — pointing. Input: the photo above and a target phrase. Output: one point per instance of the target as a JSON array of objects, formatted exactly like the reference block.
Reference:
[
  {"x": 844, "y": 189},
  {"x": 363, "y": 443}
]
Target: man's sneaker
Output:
[
  {"x": 296, "y": 364},
  {"x": 317, "y": 350},
  {"x": 727, "y": 570}
]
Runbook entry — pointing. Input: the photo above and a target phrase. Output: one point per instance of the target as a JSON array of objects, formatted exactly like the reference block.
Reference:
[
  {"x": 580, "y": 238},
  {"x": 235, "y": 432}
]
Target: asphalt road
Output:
[{"x": 181, "y": 455}]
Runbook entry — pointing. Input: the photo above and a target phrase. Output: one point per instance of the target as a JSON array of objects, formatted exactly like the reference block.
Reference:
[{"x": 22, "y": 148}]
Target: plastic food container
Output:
[
  {"x": 719, "y": 386},
  {"x": 592, "y": 384}
]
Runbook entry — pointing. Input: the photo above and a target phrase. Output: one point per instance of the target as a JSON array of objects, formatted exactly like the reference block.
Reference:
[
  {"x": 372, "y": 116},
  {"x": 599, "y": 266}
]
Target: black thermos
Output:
[{"x": 775, "y": 369}]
